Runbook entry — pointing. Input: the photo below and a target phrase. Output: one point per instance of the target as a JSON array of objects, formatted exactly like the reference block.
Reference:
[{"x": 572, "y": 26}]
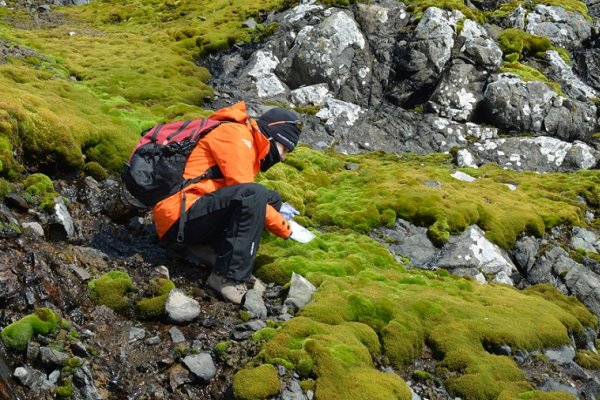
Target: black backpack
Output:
[{"x": 155, "y": 168}]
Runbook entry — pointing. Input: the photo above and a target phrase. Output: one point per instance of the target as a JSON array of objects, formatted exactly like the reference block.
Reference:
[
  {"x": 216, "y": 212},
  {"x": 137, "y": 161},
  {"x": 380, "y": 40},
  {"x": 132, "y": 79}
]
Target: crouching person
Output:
[{"x": 226, "y": 209}]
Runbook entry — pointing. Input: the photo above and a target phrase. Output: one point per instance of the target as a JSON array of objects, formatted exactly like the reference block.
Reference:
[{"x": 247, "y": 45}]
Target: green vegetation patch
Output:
[
  {"x": 516, "y": 43},
  {"x": 18, "y": 334},
  {"x": 40, "y": 190},
  {"x": 154, "y": 307},
  {"x": 529, "y": 74},
  {"x": 588, "y": 359},
  {"x": 111, "y": 290},
  {"x": 355, "y": 320},
  {"x": 418, "y": 7},
  {"x": 257, "y": 383},
  {"x": 386, "y": 187}
]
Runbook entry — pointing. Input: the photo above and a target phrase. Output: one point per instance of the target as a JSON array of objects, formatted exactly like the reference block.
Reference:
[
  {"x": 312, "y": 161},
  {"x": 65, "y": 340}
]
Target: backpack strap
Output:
[
  {"x": 213, "y": 172},
  {"x": 179, "y": 130}
]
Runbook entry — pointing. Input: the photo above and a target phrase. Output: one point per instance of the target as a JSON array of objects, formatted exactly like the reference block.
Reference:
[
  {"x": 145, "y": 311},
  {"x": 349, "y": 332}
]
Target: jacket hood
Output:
[{"x": 237, "y": 113}]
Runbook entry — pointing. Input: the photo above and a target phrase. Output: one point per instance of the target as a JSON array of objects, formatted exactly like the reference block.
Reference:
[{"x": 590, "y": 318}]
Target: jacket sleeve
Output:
[
  {"x": 276, "y": 223},
  {"x": 233, "y": 151}
]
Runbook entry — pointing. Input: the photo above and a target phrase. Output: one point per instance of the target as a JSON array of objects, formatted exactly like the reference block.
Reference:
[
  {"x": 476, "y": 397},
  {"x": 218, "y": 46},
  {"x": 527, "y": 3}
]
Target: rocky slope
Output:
[{"x": 507, "y": 90}]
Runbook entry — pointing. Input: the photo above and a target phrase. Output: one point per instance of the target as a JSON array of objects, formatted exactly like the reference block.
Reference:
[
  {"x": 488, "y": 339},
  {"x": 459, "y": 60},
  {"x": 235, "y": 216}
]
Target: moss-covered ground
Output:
[
  {"x": 98, "y": 74},
  {"x": 104, "y": 72}
]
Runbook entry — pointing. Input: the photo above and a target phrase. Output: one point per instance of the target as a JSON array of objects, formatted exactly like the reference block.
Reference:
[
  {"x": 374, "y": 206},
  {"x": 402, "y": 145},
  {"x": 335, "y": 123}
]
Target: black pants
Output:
[{"x": 231, "y": 220}]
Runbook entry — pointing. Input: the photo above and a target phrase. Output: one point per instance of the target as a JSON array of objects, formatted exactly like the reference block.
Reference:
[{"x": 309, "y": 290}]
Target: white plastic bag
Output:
[{"x": 300, "y": 233}]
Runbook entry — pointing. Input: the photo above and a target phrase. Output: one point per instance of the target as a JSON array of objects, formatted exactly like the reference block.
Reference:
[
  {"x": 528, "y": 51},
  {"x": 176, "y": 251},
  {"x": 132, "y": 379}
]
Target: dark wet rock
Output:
[
  {"x": 525, "y": 251},
  {"x": 301, "y": 290},
  {"x": 241, "y": 335},
  {"x": 79, "y": 349},
  {"x": 82, "y": 273},
  {"x": 9, "y": 224},
  {"x": 201, "y": 365},
  {"x": 254, "y": 303},
  {"x": 53, "y": 358},
  {"x": 515, "y": 105},
  {"x": 16, "y": 202},
  {"x": 176, "y": 335},
  {"x": 422, "y": 55},
  {"x": 181, "y": 308},
  {"x": 459, "y": 91},
  {"x": 251, "y": 326},
  {"x": 33, "y": 351},
  {"x": 406, "y": 239},
  {"x": 91, "y": 194},
  {"x": 549, "y": 385},
  {"x": 61, "y": 226},
  {"x": 84, "y": 381}
]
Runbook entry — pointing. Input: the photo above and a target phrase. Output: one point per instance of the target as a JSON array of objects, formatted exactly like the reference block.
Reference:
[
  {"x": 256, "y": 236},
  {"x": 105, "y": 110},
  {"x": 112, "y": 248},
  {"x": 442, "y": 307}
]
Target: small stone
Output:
[
  {"x": 201, "y": 365},
  {"x": 82, "y": 273},
  {"x": 254, "y": 303},
  {"x": 181, "y": 308},
  {"x": 153, "y": 341},
  {"x": 352, "y": 166},
  {"x": 53, "y": 358},
  {"x": 136, "y": 334},
  {"x": 251, "y": 325},
  {"x": 176, "y": 335},
  {"x": 79, "y": 349},
  {"x": 33, "y": 228}
]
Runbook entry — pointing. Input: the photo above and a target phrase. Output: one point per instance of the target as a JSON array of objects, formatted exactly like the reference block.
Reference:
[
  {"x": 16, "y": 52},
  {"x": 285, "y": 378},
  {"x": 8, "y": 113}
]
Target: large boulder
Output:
[
  {"x": 564, "y": 28},
  {"x": 514, "y": 105}
]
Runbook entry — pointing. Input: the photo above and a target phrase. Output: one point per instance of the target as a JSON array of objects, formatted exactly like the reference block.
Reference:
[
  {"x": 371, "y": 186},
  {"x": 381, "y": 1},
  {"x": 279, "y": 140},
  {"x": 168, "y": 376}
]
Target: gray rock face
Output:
[
  {"x": 586, "y": 240},
  {"x": 459, "y": 92},
  {"x": 423, "y": 55},
  {"x": 181, "y": 308},
  {"x": 300, "y": 292},
  {"x": 514, "y": 105},
  {"x": 472, "y": 254},
  {"x": 411, "y": 241},
  {"x": 479, "y": 46},
  {"x": 84, "y": 381},
  {"x": 53, "y": 358},
  {"x": 339, "y": 55},
  {"x": 35, "y": 380},
  {"x": 525, "y": 251},
  {"x": 254, "y": 303},
  {"x": 564, "y": 28},
  {"x": 561, "y": 72},
  {"x": 61, "y": 226},
  {"x": 201, "y": 365},
  {"x": 543, "y": 154}
]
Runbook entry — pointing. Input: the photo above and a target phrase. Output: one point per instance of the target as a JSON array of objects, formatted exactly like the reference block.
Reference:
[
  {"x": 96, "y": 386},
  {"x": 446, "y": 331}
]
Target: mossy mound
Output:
[
  {"x": 111, "y": 290},
  {"x": 257, "y": 383},
  {"x": 18, "y": 334},
  {"x": 588, "y": 359},
  {"x": 154, "y": 307},
  {"x": 354, "y": 320},
  {"x": 40, "y": 190}
]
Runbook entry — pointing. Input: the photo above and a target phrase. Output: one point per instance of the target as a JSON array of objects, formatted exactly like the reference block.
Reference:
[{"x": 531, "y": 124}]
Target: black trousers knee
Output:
[{"x": 230, "y": 219}]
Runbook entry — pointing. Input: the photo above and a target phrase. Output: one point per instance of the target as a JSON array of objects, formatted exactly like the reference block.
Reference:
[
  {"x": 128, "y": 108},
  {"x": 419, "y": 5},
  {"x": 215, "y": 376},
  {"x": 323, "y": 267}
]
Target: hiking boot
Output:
[{"x": 229, "y": 289}]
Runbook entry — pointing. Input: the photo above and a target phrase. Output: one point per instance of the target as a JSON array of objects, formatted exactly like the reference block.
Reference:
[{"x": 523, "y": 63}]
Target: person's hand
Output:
[{"x": 288, "y": 211}]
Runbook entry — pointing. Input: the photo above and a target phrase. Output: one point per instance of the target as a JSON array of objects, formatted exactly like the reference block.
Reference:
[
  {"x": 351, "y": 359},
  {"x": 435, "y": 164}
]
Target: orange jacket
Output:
[{"x": 237, "y": 149}]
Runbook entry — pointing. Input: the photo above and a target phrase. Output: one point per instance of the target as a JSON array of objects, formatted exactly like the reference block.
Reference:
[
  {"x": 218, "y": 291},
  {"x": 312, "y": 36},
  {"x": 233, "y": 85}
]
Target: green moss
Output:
[
  {"x": 245, "y": 315},
  {"x": 72, "y": 365},
  {"x": 66, "y": 390},
  {"x": 222, "y": 347},
  {"x": 154, "y": 307},
  {"x": 111, "y": 290},
  {"x": 95, "y": 170},
  {"x": 421, "y": 375},
  {"x": 402, "y": 311},
  {"x": 18, "y": 334},
  {"x": 256, "y": 383},
  {"x": 418, "y": 7},
  {"x": 264, "y": 335},
  {"x": 41, "y": 188},
  {"x": 5, "y": 187},
  {"x": 588, "y": 359}
]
